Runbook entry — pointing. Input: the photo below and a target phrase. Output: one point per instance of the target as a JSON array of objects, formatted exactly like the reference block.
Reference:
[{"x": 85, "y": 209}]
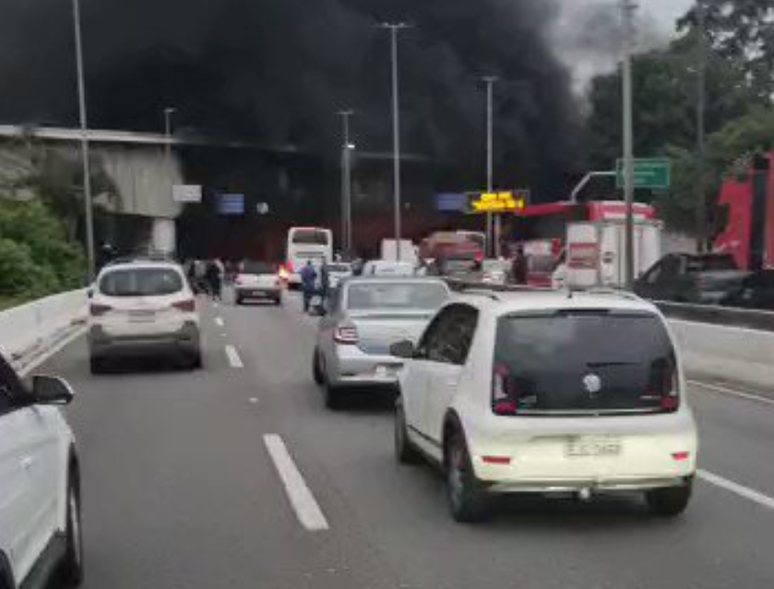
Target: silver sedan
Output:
[{"x": 363, "y": 318}]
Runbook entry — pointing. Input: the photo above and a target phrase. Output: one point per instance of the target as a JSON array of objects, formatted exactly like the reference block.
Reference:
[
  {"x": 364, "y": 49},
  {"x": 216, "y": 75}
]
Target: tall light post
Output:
[
  {"x": 701, "y": 107},
  {"x": 628, "y": 9},
  {"x": 346, "y": 182},
  {"x": 394, "y": 29},
  {"x": 85, "y": 159},
  {"x": 168, "y": 112},
  {"x": 492, "y": 221}
]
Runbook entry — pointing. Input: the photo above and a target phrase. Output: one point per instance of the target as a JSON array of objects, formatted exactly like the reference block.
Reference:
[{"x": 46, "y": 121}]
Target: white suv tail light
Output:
[
  {"x": 186, "y": 306},
  {"x": 98, "y": 309}
]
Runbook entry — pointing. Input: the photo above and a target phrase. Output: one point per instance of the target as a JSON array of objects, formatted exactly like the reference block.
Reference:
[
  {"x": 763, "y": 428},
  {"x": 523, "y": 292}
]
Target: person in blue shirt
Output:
[{"x": 308, "y": 284}]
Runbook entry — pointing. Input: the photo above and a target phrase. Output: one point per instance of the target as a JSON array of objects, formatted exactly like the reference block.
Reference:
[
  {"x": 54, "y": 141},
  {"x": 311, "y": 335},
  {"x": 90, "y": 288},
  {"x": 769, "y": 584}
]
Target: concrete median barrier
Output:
[{"x": 29, "y": 329}]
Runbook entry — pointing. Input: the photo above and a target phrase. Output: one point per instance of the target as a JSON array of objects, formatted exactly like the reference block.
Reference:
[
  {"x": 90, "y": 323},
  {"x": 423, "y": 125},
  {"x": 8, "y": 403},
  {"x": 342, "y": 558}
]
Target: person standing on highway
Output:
[
  {"x": 519, "y": 266},
  {"x": 308, "y": 284}
]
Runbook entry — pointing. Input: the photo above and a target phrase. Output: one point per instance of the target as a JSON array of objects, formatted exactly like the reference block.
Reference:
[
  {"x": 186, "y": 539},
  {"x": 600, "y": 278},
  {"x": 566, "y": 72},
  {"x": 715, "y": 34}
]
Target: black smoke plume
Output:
[{"x": 275, "y": 72}]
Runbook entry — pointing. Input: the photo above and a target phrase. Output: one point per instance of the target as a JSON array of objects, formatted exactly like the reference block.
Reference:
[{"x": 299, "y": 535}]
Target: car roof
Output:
[
  {"x": 393, "y": 279},
  {"x": 502, "y": 303},
  {"x": 140, "y": 265}
]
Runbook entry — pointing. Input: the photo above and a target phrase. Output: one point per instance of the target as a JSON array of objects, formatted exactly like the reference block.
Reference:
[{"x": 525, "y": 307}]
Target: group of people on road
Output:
[
  {"x": 313, "y": 283},
  {"x": 207, "y": 277}
]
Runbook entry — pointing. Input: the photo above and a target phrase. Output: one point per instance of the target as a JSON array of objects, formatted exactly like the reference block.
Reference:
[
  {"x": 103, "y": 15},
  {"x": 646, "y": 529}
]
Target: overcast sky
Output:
[{"x": 586, "y": 35}]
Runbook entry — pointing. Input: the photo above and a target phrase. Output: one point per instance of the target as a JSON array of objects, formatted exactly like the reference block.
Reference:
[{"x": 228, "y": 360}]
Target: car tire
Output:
[
  {"x": 405, "y": 451},
  {"x": 278, "y": 301},
  {"x": 238, "y": 301},
  {"x": 669, "y": 502},
  {"x": 317, "y": 372},
  {"x": 71, "y": 568},
  {"x": 196, "y": 363},
  {"x": 332, "y": 397},
  {"x": 468, "y": 501}
]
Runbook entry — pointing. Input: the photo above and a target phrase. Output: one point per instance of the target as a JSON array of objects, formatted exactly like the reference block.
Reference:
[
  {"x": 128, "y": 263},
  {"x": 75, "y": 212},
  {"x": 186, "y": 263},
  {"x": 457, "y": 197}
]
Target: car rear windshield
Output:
[
  {"x": 399, "y": 295},
  {"x": 141, "y": 282},
  {"x": 339, "y": 268},
  {"x": 712, "y": 264},
  {"x": 585, "y": 362},
  {"x": 259, "y": 268},
  {"x": 310, "y": 237}
]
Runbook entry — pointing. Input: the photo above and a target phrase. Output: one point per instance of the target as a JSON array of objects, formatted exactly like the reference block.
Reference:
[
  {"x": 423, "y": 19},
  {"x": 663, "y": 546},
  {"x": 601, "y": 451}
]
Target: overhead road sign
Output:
[
  {"x": 187, "y": 193},
  {"x": 509, "y": 201},
  {"x": 652, "y": 173}
]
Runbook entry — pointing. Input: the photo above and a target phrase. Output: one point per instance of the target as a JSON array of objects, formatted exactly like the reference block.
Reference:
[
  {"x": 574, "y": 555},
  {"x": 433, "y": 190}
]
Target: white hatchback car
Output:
[
  {"x": 143, "y": 308},
  {"x": 551, "y": 393},
  {"x": 40, "y": 523}
]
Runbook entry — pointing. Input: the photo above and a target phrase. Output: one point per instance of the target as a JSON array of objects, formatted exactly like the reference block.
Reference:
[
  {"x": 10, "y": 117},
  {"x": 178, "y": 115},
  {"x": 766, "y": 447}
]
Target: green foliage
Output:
[{"x": 35, "y": 257}]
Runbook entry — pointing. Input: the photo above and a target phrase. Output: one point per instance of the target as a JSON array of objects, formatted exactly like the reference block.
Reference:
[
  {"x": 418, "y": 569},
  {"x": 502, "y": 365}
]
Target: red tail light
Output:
[
  {"x": 670, "y": 396},
  {"x": 503, "y": 398},
  {"x": 289, "y": 266},
  {"x": 187, "y": 306},
  {"x": 96, "y": 309},
  {"x": 238, "y": 280},
  {"x": 346, "y": 335}
]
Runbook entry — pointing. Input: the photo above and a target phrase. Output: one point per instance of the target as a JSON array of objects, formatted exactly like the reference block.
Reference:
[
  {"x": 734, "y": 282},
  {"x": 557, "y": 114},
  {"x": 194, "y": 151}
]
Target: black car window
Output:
[
  {"x": 654, "y": 274},
  {"x": 452, "y": 335},
  {"x": 11, "y": 387},
  {"x": 671, "y": 267},
  {"x": 457, "y": 338}
]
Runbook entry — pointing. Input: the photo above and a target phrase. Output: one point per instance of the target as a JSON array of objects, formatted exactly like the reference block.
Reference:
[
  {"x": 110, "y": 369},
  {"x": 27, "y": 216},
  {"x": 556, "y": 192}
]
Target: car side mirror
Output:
[
  {"x": 403, "y": 349},
  {"x": 51, "y": 390},
  {"x": 90, "y": 293}
]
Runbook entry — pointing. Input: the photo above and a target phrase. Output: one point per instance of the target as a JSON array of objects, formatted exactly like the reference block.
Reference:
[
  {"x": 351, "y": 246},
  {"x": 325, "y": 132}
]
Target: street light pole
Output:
[
  {"x": 394, "y": 29},
  {"x": 346, "y": 183},
  {"x": 492, "y": 221},
  {"x": 85, "y": 159},
  {"x": 628, "y": 8},
  {"x": 701, "y": 104}
]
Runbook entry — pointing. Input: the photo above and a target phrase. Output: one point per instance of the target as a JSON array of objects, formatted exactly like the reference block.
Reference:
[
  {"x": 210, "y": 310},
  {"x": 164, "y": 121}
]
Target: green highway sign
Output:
[{"x": 653, "y": 173}]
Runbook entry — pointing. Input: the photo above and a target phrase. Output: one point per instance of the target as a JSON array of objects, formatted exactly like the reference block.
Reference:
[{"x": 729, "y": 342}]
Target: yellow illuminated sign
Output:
[{"x": 498, "y": 202}]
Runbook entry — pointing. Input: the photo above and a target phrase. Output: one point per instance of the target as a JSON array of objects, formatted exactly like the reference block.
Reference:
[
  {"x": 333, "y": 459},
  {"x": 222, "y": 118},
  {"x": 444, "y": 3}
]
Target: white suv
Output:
[
  {"x": 552, "y": 393},
  {"x": 40, "y": 526},
  {"x": 141, "y": 308}
]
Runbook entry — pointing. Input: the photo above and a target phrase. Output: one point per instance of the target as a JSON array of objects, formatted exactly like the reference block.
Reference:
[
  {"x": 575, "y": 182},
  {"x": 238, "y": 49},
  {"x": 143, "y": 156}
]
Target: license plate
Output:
[
  {"x": 593, "y": 446},
  {"x": 142, "y": 316}
]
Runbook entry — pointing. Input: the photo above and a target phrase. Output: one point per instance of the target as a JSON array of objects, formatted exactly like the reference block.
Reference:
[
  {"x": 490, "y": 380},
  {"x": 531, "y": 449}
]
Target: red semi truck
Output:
[{"x": 745, "y": 216}]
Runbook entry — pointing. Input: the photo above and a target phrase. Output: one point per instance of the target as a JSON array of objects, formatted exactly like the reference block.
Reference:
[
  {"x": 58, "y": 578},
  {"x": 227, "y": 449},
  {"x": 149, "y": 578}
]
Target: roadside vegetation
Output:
[
  {"x": 36, "y": 256},
  {"x": 739, "y": 109}
]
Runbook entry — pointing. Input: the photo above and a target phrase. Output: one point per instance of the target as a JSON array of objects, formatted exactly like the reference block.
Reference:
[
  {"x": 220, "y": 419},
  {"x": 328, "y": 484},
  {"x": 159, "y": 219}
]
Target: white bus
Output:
[{"x": 304, "y": 244}]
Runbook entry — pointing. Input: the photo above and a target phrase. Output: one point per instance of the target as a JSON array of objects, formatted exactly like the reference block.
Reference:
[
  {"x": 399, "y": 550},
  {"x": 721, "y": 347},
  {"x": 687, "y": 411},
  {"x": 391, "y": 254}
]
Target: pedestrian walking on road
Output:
[
  {"x": 215, "y": 279},
  {"x": 519, "y": 266},
  {"x": 308, "y": 284}
]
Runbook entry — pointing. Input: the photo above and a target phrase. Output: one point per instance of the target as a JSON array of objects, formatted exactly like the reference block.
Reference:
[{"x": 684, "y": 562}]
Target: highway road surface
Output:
[{"x": 237, "y": 477}]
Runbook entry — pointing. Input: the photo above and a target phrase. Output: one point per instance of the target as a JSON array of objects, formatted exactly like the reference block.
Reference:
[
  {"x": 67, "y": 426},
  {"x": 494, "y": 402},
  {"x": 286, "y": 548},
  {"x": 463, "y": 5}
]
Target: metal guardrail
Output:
[
  {"x": 721, "y": 316},
  {"x": 713, "y": 315}
]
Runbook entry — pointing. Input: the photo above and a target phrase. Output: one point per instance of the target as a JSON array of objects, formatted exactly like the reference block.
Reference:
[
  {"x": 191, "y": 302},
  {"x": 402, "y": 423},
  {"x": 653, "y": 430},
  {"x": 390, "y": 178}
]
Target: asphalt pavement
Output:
[{"x": 236, "y": 476}]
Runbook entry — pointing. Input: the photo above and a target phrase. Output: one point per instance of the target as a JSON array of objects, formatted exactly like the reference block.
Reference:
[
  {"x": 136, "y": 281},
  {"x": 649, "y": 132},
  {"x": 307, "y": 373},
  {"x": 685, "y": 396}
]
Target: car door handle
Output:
[{"x": 28, "y": 462}]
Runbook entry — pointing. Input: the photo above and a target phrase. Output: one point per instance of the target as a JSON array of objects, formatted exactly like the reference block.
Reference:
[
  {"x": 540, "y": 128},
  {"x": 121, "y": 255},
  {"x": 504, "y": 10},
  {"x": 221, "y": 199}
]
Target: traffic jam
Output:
[{"x": 529, "y": 372}]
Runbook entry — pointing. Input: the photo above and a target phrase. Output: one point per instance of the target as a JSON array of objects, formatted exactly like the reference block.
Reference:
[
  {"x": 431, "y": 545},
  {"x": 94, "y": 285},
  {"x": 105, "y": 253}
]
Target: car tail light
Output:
[
  {"x": 289, "y": 266},
  {"x": 186, "y": 306},
  {"x": 670, "y": 396},
  {"x": 503, "y": 398},
  {"x": 680, "y": 456},
  {"x": 97, "y": 309},
  {"x": 346, "y": 334},
  {"x": 238, "y": 280}
]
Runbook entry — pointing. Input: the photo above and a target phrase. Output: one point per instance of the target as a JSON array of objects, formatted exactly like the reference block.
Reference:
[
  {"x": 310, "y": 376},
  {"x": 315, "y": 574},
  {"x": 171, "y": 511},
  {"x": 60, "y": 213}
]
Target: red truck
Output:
[{"x": 745, "y": 216}]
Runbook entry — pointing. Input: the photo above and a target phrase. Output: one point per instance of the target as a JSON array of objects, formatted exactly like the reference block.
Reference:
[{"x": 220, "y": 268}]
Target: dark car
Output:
[
  {"x": 755, "y": 292},
  {"x": 687, "y": 278}
]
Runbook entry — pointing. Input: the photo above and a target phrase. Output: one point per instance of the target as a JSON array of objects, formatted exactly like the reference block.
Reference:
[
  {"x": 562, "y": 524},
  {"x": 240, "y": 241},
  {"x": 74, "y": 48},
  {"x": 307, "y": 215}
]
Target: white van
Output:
[{"x": 304, "y": 244}]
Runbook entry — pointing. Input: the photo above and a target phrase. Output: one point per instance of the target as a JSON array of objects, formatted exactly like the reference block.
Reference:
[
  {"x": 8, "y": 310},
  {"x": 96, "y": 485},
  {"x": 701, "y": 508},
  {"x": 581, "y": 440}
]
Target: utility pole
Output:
[
  {"x": 628, "y": 8},
  {"x": 346, "y": 183},
  {"x": 492, "y": 221},
  {"x": 394, "y": 29},
  {"x": 85, "y": 158},
  {"x": 701, "y": 108},
  {"x": 168, "y": 112}
]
